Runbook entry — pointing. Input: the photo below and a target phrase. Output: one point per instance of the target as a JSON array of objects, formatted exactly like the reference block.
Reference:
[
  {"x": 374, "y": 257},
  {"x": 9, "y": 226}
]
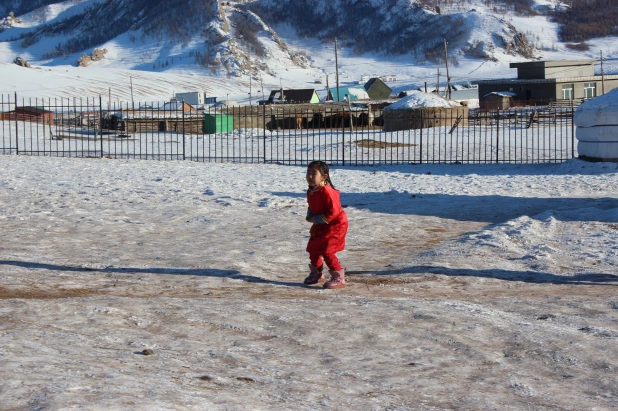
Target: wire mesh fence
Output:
[{"x": 344, "y": 134}]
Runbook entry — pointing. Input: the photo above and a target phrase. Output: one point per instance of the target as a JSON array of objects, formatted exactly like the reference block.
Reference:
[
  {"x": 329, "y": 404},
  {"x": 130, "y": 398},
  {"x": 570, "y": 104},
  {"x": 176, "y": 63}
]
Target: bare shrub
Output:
[{"x": 579, "y": 46}]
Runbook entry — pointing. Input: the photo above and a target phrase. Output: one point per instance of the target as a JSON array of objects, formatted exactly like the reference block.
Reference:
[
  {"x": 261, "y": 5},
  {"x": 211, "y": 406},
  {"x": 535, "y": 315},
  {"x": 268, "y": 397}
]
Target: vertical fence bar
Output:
[
  {"x": 264, "y": 136},
  {"x": 184, "y": 136},
  {"x": 572, "y": 117},
  {"x": 16, "y": 127},
  {"x": 100, "y": 128},
  {"x": 420, "y": 151},
  {"x": 497, "y": 135}
]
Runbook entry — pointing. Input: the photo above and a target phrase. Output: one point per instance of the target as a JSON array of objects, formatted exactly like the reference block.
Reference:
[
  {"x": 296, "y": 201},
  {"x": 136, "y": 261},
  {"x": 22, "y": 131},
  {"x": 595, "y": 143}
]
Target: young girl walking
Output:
[{"x": 330, "y": 225}]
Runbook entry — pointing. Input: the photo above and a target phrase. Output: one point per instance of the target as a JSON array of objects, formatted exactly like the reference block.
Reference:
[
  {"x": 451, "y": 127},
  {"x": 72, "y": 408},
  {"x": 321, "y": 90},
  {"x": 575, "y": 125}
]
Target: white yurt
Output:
[{"x": 597, "y": 128}]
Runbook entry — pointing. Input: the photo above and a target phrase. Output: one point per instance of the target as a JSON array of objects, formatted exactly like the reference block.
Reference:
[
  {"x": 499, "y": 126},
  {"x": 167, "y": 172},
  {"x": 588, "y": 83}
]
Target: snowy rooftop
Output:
[{"x": 501, "y": 93}]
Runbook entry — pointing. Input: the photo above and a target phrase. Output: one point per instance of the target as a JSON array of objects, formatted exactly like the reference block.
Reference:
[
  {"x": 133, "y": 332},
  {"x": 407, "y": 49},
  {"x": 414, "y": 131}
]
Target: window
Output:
[
  {"x": 590, "y": 90},
  {"x": 567, "y": 92}
]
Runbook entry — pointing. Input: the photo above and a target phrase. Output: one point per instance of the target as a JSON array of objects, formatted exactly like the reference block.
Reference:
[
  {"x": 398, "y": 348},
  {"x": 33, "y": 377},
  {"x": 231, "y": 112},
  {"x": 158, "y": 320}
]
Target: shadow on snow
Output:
[
  {"x": 500, "y": 274},
  {"x": 492, "y": 209},
  {"x": 202, "y": 272}
]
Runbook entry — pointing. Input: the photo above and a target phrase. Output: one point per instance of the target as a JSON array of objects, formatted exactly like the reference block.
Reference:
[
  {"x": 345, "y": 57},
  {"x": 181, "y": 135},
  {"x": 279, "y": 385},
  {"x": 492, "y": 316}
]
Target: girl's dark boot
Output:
[{"x": 315, "y": 276}]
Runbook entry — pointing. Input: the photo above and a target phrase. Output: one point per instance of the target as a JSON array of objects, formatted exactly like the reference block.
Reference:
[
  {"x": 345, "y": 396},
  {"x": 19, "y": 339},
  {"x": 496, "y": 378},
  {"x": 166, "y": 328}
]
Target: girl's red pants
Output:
[{"x": 331, "y": 261}]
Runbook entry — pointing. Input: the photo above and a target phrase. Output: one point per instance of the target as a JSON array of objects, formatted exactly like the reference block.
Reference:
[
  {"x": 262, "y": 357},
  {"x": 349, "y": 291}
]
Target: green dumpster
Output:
[{"x": 218, "y": 123}]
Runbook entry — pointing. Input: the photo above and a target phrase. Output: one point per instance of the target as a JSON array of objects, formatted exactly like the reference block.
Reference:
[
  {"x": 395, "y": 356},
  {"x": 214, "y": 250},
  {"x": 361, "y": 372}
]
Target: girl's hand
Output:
[
  {"x": 318, "y": 219},
  {"x": 309, "y": 216}
]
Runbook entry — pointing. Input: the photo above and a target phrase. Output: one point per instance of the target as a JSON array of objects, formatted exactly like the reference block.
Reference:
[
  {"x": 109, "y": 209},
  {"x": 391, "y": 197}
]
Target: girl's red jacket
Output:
[{"x": 327, "y": 238}]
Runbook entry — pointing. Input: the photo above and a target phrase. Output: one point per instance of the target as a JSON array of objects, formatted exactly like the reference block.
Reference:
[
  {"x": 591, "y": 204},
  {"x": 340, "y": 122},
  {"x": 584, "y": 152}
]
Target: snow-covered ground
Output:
[{"x": 470, "y": 287}]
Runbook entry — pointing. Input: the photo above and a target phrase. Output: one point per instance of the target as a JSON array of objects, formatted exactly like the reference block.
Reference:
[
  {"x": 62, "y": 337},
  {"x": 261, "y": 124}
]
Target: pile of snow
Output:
[{"x": 419, "y": 99}]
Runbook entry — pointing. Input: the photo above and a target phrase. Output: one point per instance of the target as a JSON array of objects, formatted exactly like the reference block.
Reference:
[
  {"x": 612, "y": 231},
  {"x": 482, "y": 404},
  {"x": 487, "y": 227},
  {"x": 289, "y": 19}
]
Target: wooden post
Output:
[
  {"x": 448, "y": 77},
  {"x": 337, "y": 71},
  {"x": 532, "y": 116},
  {"x": 602, "y": 75}
]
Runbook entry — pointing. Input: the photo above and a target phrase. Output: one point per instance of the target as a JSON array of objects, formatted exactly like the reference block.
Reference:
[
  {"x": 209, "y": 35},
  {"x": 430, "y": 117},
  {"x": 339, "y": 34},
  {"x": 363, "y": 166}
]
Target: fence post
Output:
[
  {"x": 497, "y": 134},
  {"x": 342, "y": 137},
  {"x": 101, "y": 123},
  {"x": 16, "y": 128},
  {"x": 184, "y": 157},
  {"x": 264, "y": 139},
  {"x": 572, "y": 132},
  {"x": 420, "y": 154}
]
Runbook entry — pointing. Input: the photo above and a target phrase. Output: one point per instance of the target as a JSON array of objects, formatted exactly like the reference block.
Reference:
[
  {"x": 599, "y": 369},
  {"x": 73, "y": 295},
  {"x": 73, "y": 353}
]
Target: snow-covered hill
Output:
[{"x": 242, "y": 49}]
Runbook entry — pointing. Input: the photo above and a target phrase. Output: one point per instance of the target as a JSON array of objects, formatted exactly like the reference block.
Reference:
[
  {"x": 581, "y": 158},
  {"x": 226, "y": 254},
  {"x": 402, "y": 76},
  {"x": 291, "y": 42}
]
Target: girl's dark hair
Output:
[{"x": 323, "y": 168}]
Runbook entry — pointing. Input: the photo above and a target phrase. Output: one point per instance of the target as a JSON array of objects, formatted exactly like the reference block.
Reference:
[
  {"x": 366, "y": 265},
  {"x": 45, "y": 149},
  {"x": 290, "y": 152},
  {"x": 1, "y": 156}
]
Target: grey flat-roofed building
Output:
[
  {"x": 554, "y": 69},
  {"x": 540, "y": 82}
]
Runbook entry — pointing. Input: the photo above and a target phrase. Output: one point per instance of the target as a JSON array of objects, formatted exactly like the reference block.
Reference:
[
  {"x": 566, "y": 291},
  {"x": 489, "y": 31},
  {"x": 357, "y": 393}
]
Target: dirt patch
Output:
[
  {"x": 381, "y": 144},
  {"x": 38, "y": 294}
]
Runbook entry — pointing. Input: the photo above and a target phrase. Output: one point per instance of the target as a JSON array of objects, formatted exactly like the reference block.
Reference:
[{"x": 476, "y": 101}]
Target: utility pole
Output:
[
  {"x": 336, "y": 69},
  {"x": 109, "y": 99},
  {"x": 438, "y": 83},
  {"x": 602, "y": 75},
  {"x": 131, "y": 80},
  {"x": 250, "y": 85},
  {"x": 448, "y": 77}
]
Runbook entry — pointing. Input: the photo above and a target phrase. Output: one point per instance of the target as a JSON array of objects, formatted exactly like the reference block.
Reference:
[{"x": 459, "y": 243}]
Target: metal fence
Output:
[{"x": 343, "y": 134}]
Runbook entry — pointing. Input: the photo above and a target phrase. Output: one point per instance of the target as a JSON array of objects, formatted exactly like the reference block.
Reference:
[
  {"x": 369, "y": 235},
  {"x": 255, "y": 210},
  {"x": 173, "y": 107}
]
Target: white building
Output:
[
  {"x": 389, "y": 77},
  {"x": 195, "y": 98}
]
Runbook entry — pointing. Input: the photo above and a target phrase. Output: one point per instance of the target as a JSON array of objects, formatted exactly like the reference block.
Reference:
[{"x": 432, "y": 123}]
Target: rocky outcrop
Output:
[
  {"x": 21, "y": 62},
  {"x": 521, "y": 47},
  {"x": 97, "y": 55},
  {"x": 10, "y": 21},
  {"x": 84, "y": 61}
]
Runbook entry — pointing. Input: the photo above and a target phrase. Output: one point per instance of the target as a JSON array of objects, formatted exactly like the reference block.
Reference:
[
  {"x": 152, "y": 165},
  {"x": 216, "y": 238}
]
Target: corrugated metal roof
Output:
[
  {"x": 377, "y": 89},
  {"x": 465, "y": 94},
  {"x": 355, "y": 93}
]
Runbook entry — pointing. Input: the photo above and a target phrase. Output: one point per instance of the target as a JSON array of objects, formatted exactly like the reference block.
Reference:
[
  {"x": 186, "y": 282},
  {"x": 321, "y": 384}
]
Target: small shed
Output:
[
  {"x": 177, "y": 105},
  {"x": 497, "y": 100},
  {"x": 377, "y": 89},
  {"x": 424, "y": 110},
  {"x": 324, "y": 95},
  {"x": 218, "y": 123},
  {"x": 597, "y": 128},
  {"x": 31, "y": 113}
]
